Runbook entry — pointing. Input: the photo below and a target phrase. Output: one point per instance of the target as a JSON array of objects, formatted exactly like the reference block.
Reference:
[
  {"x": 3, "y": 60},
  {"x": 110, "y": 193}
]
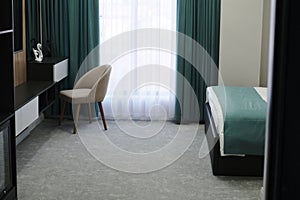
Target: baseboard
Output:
[{"x": 28, "y": 130}]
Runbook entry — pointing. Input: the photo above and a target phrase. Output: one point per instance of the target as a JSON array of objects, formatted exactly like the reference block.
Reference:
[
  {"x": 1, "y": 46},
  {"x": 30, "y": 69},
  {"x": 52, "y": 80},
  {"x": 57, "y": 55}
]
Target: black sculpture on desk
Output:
[{"x": 48, "y": 49}]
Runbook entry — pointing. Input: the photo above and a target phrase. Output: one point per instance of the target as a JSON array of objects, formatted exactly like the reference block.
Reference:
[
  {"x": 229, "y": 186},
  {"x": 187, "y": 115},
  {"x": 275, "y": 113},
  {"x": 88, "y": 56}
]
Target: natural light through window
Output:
[{"x": 148, "y": 100}]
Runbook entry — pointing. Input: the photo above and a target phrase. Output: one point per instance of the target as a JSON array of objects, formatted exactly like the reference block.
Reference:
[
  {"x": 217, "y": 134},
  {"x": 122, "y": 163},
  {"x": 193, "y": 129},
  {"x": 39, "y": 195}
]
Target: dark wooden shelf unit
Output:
[
  {"x": 5, "y": 15},
  {"x": 6, "y": 73},
  {"x": 47, "y": 98},
  {"x": 42, "y": 71},
  {"x": 8, "y": 176},
  {"x": 5, "y": 117},
  {"x": 45, "y": 90}
]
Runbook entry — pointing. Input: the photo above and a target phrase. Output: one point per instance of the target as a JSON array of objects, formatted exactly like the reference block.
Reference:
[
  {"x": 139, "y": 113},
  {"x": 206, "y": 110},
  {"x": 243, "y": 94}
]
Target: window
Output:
[{"x": 128, "y": 95}]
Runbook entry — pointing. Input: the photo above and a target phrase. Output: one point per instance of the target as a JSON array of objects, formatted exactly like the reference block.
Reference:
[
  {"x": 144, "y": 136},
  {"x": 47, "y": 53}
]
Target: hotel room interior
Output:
[{"x": 137, "y": 99}]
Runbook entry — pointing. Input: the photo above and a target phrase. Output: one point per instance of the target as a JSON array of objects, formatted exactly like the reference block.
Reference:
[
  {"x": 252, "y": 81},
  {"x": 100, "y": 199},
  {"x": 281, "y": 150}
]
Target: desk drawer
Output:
[
  {"x": 26, "y": 115},
  {"x": 60, "y": 70},
  {"x": 50, "y": 69}
]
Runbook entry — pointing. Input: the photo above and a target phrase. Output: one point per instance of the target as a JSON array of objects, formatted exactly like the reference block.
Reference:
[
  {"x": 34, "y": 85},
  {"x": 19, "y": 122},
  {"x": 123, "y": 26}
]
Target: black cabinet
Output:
[
  {"x": 18, "y": 25},
  {"x": 7, "y": 167},
  {"x": 6, "y": 73},
  {"x": 5, "y": 15},
  {"x": 8, "y": 180}
]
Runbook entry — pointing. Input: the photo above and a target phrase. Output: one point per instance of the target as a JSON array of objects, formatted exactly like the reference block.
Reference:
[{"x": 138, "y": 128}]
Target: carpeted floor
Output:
[{"x": 52, "y": 163}]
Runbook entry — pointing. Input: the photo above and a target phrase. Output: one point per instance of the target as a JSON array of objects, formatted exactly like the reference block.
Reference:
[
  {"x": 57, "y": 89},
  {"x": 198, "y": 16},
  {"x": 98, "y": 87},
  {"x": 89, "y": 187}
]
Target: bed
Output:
[{"x": 235, "y": 119}]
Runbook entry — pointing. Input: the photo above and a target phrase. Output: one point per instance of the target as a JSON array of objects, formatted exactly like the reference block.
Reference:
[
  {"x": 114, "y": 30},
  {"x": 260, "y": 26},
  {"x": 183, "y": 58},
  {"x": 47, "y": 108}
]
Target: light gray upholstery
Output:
[{"x": 91, "y": 87}]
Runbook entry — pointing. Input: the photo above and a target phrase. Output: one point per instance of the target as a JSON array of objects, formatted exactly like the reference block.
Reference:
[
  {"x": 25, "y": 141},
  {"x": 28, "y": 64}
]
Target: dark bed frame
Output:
[{"x": 229, "y": 165}]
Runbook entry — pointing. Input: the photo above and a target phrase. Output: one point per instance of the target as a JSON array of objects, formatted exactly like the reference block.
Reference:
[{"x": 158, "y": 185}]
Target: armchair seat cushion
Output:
[{"x": 76, "y": 95}]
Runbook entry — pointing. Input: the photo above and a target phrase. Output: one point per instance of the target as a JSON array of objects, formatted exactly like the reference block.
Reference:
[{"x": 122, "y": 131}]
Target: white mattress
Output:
[{"x": 217, "y": 114}]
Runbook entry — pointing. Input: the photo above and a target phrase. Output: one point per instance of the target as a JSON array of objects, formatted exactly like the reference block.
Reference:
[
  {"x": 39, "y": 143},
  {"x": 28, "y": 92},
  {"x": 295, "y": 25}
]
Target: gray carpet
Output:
[{"x": 52, "y": 163}]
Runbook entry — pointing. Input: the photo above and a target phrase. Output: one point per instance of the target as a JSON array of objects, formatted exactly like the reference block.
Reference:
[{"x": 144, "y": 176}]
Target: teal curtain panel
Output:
[
  {"x": 200, "y": 20},
  {"x": 70, "y": 28}
]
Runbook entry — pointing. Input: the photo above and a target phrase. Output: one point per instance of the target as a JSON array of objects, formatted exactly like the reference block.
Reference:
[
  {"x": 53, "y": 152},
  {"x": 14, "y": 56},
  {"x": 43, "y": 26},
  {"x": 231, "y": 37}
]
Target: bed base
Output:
[{"x": 229, "y": 165}]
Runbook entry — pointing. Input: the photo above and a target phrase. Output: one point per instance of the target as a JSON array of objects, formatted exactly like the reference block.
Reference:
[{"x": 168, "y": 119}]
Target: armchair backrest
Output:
[{"x": 97, "y": 80}]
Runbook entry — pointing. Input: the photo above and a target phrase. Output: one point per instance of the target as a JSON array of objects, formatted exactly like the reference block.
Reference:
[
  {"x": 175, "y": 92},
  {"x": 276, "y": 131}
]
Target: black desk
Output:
[
  {"x": 31, "y": 89},
  {"x": 48, "y": 60},
  {"x": 39, "y": 92},
  {"x": 50, "y": 69},
  {"x": 43, "y": 79}
]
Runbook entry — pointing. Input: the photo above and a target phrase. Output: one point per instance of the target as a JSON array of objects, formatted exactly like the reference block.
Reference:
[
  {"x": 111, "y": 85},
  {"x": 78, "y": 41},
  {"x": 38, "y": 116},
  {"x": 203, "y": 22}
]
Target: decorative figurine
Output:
[{"x": 38, "y": 53}]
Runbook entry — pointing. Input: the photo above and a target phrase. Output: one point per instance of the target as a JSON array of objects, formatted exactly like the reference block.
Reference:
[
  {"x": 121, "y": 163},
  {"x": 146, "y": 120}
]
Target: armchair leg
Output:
[
  {"x": 102, "y": 115},
  {"x": 63, "y": 103},
  {"x": 90, "y": 112},
  {"x": 76, "y": 118}
]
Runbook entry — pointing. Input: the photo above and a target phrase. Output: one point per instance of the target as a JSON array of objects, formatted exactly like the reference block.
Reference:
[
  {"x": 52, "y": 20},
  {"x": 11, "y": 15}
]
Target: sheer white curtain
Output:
[{"x": 128, "y": 96}]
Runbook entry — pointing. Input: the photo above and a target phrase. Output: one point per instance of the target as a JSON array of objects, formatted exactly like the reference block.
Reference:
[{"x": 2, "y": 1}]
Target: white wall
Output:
[{"x": 240, "y": 42}]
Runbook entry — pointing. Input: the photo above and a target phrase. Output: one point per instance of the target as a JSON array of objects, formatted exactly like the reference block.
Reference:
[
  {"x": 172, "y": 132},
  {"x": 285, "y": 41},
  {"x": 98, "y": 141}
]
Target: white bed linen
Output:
[{"x": 217, "y": 114}]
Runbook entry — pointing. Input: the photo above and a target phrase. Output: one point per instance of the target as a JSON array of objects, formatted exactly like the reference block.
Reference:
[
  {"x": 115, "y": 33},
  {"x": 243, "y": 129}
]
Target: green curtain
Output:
[
  {"x": 70, "y": 28},
  {"x": 32, "y": 26},
  {"x": 200, "y": 20}
]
